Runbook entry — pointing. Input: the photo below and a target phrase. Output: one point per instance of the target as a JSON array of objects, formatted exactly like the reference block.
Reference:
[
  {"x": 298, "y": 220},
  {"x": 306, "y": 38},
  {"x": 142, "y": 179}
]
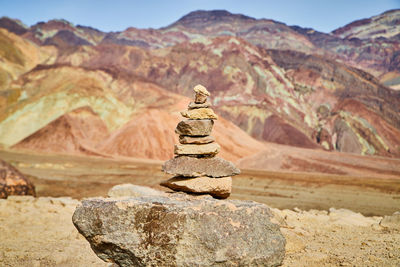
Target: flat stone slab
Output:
[
  {"x": 216, "y": 187},
  {"x": 210, "y": 149},
  {"x": 200, "y": 114},
  {"x": 180, "y": 230},
  {"x": 195, "y": 167},
  {"x": 194, "y": 127},
  {"x": 193, "y": 105},
  {"x": 196, "y": 140}
]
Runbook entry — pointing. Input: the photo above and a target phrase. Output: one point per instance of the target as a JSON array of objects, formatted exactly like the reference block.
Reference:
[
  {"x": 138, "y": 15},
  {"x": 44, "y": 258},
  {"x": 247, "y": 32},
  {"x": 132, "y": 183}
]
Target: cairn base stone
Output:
[
  {"x": 180, "y": 230},
  {"x": 216, "y": 187},
  {"x": 195, "y": 167},
  {"x": 197, "y": 150},
  {"x": 194, "y": 127}
]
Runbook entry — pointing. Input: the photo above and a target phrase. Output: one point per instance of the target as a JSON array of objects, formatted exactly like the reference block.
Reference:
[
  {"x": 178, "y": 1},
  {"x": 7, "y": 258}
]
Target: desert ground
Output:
[{"x": 328, "y": 220}]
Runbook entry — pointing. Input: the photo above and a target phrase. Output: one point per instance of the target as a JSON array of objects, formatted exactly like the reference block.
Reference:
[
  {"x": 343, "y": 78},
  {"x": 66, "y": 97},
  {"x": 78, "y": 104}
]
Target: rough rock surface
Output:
[
  {"x": 13, "y": 182},
  {"x": 216, "y": 187},
  {"x": 200, "y": 89},
  {"x": 196, "y": 140},
  {"x": 205, "y": 149},
  {"x": 193, "y": 105},
  {"x": 194, "y": 127},
  {"x": 200, "y": 99},
  {"x": 194, "y": 167},
  {"x": 199, "y": 114},
  {"x": 131, "y": 190},
  {"x": 392, "y": 221},
  {"x": 180, "y": 230}
]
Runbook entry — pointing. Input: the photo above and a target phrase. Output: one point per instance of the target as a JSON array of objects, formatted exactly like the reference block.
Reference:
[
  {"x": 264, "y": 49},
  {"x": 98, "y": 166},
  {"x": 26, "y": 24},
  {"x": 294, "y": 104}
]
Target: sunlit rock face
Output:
[{"x": 180, "y": 230}]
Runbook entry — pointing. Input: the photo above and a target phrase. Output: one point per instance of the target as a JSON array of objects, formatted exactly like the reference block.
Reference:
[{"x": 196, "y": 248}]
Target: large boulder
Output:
[
  {"x": 180, "y": 230},
  {"x": 195, "y": 167},
  {"x": 13, "y": 182}
]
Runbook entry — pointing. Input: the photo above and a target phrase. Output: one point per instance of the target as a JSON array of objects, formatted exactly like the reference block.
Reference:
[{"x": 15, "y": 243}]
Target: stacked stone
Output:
[{"x": 195, "y": 167}]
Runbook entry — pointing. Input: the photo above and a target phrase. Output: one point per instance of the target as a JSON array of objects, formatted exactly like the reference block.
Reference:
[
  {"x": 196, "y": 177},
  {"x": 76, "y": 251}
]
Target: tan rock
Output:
[
  {"x": 196, "y": 140},
  {"x": 392, "y": 221},
  {"x": 217, "y": 187},
  {"x": 193, "y": 105},
  {"x": 199, "y": 114},
  {"x": 194, "y": 167},
  {"x": 194, "y": 127},
  {"x": 206, "y": 149},
  {"x": 200, "y": 89},
  {"x": 200, "y": 98}
]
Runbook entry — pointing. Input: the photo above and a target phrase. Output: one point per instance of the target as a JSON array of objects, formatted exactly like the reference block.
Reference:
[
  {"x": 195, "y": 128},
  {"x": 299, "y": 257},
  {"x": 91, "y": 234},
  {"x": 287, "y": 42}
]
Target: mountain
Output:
[
  {"x": 385, "y": 25},
  {"x": 13, "y": 25},
  {"x": 269, "y": 83},
  {"x": 18, "y": 56},
  {"x": 378, "y": 56},
  {"x": 79, "y": 131}
]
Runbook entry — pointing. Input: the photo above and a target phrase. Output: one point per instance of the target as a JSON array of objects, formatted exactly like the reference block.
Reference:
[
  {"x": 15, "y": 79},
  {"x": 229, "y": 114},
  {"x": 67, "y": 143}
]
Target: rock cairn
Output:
[{"x": 195, "y": 167}]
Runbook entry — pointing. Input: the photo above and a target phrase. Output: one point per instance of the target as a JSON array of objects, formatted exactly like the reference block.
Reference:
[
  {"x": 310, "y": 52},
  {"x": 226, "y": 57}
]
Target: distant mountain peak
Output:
[
  {"x": 13, "y": 25},
  {"x": 201, "y": 17},
  {"x": 385, "y": 25}
]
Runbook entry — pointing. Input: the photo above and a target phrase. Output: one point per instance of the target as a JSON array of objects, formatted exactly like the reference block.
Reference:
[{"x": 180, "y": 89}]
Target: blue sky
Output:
[{"x": 117, "y": 15}]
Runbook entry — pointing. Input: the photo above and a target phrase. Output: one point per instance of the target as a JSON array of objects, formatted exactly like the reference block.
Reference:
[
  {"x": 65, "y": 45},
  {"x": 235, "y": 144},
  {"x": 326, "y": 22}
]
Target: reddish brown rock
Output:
[
  {"x": 347, "y": 140},
  {"x": 194, "y": 127},
  {"x": 13, "y": 182},
  {"x": 196, "y": 140},
  {"x": 193, "y": 167},
  {"x": 216, "y": 187}
]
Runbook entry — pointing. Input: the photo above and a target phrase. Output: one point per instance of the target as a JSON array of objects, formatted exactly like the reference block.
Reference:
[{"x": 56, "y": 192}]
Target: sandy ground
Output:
[{"x": 39, "y": 232}]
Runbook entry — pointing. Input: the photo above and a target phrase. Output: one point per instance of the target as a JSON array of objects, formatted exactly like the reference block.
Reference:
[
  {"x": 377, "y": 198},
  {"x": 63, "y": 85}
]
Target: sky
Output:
[{"x": 117, "y": 15}]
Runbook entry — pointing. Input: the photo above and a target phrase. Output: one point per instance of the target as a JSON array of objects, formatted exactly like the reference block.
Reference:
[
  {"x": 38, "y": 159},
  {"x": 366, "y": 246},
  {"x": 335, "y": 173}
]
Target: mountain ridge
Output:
[{"x": 277, "y": 83}]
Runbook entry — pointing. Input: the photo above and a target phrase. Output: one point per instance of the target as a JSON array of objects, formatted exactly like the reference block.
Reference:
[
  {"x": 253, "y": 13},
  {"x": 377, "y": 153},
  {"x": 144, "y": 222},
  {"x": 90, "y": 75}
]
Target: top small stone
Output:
[{"x": 200, "y": 89}]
